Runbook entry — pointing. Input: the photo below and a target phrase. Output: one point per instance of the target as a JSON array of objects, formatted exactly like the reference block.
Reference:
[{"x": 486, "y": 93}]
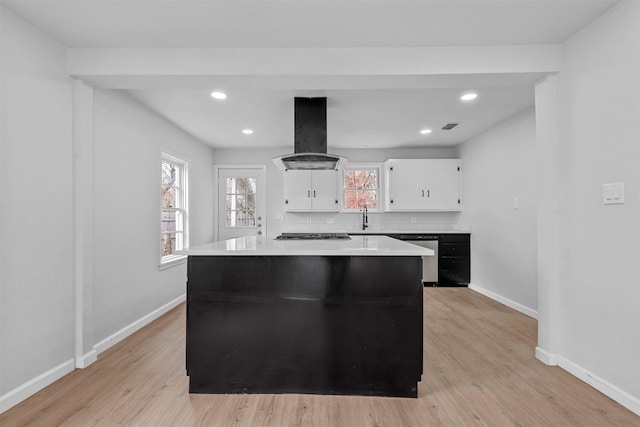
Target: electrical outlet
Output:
[
  {"x": 279, "y": 217},
  {"x": 308, "y": 220},
  {"x": 613, "y": 194},
  {"x": 331, "y": 221},
  {"x": 413, "y": 220}
]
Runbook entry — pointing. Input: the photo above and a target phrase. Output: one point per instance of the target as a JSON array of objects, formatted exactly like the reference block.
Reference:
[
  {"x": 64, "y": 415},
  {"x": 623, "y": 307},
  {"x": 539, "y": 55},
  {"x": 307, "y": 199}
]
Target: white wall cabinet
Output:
[
  {"x": 422, "y": 185},
  {"x": 311, "y": 190}
]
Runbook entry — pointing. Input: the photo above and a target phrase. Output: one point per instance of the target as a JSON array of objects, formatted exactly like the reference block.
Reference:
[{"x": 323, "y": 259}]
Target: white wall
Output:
[
  {"x": 1, "y": 193},
  {"x": 128, "y": 137},
  {"x": 37, "y": 328},
  {"x": 498, "y": 167},
  {"x": 342, "y": 221},
  {"x": 37, "y": 278},
  {"x": 599, "y": 134}
]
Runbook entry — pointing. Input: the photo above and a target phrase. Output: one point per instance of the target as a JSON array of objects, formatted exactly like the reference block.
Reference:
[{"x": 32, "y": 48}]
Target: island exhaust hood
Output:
[{"x": 310, "y": 143}]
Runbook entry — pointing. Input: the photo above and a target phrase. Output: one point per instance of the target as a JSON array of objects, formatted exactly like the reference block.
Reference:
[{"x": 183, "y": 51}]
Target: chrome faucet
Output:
[{"x": 365, "y": 218}]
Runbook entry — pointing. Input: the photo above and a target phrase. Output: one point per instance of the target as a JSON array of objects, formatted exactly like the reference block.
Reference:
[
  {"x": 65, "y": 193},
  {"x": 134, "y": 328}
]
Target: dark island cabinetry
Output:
[{"x": 304, "y": 324}]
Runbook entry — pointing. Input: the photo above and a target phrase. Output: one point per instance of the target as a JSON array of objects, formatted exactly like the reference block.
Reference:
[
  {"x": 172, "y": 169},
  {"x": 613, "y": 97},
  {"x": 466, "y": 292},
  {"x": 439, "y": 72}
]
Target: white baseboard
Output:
[
  {"x": 547, "y": 358},
  {"x": 622, "y": 397},
  {"x": 34, "y": 385},
  {"x": 86, "y": 359},
  {"x": 123, "y": 333},
  {"x": 502, "y": 300}
]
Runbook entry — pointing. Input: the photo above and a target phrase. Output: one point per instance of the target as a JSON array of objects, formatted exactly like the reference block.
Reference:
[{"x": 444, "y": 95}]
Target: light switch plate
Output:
[
  {"x": 413, "y": 220},
  {"x": 331, "y": 220},
  {"x": 613, "y": 194}
]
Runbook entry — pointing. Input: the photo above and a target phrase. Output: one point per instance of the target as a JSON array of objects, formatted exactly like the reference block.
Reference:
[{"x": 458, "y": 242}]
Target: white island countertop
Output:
[{"x": 264, "y": 246}]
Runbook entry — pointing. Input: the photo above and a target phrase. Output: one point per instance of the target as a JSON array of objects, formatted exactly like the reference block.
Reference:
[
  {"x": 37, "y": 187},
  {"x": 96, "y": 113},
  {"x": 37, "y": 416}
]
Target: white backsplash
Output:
[{"x": 378, "y": 221}]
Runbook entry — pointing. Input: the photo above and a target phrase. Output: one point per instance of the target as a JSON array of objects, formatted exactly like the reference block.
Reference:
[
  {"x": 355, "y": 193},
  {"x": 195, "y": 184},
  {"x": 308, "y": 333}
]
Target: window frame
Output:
[
  {"x": 378, "y": 166},
  {"x": 182, "y": 200}
]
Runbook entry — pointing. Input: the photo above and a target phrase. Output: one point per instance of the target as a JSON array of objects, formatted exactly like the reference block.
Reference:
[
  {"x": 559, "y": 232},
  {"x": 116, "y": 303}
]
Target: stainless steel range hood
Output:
[{"x": 310, "y": 143}]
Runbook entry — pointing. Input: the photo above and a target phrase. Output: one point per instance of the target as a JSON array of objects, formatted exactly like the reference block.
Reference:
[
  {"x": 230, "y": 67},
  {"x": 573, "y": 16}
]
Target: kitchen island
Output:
[{"x": 305, "y": 316}]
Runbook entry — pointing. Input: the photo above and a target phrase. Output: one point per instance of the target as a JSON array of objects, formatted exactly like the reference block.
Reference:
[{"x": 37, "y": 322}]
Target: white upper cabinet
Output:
[
  {"x": 422, "y": 185},
  {"x": 297, "y": 190},
  {"x": 311, "y": 190}
]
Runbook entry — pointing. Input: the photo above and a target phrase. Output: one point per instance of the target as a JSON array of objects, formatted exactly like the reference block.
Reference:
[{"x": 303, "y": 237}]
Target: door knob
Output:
[
  {"x": 259, "y": 232},
  {"x": 259, "y": 225},
  {"x": 259, "y": 218}
]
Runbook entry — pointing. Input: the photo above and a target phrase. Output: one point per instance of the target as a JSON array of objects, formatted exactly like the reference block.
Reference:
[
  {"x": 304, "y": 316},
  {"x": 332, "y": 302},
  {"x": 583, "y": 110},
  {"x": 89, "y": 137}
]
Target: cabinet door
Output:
[
  {"x": 324, "y": 190},
  {"x": 297, "y": 190},
  {"x": 406, "y": 185},
  {"x": 442, "y": 184}
]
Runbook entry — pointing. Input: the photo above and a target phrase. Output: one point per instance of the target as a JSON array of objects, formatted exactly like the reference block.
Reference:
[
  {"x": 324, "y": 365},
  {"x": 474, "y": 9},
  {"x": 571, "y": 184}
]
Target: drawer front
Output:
[
  {"x": 454, "y": 238},
  {"x": 454, "y": 249},
  {"x": 454, "y": 263},
  {"x": 457, "y": 277}
]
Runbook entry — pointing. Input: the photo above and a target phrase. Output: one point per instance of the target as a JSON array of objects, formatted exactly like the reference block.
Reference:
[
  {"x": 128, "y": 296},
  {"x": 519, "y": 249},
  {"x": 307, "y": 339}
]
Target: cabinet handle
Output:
[
  {"x": 314, "y": 194},
  {"x": 308, "y": 193},
  {"x": 422, "y": 193},
  {"x": 391, "y": 201},
  {"x": 428, "y": 193}
]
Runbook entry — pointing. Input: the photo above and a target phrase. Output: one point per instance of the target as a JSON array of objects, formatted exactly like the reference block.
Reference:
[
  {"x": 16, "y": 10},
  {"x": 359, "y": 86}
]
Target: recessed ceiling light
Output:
[
  {"x": 469, "y": 96},
  {"x": 219, "y": 95},
  {"x": 247, "y": 131},
  {"x": 425, "y": 131}
]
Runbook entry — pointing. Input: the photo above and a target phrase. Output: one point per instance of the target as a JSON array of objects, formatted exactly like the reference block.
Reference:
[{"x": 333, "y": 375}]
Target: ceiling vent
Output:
[{"x": 449, "y": 126}]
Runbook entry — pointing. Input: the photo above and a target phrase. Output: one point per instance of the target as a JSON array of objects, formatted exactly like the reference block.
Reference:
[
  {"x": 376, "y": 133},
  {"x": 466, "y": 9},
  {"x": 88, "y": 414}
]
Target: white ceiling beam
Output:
[{"x": 273, "y": 65}]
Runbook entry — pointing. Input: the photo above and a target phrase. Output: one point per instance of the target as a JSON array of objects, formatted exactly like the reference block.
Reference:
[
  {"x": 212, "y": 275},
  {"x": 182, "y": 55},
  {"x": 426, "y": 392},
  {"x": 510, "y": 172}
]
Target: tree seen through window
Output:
[{"x": 360, "y": 189}]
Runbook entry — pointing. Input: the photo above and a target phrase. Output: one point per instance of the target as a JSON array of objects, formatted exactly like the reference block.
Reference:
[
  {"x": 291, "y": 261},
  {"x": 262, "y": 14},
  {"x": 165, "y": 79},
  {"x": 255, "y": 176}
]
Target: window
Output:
[
  {"x": 240, "y": 202},
  {"x": 360, "y": 187},
  {"x": 173, "y": 210}
]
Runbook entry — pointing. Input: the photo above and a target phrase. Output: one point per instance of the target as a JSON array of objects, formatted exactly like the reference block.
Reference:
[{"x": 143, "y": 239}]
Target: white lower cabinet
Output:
[
  {"x": 311, "y": 190},
  {"x": 422, "y": 185}
]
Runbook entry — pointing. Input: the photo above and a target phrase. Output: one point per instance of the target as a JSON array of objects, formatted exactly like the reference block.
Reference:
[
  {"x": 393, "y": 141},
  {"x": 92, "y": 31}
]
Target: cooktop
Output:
[{"x": 313, "y": 236}]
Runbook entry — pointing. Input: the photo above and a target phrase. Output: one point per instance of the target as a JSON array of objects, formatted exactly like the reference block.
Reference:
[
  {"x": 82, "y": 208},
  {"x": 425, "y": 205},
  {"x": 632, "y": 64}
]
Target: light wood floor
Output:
[{"x": 479, "y": 371}]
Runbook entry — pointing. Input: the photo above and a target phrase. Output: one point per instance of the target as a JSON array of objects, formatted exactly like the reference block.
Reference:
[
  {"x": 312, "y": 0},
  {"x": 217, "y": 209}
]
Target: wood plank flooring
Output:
[{"x": 479, "y": 366}]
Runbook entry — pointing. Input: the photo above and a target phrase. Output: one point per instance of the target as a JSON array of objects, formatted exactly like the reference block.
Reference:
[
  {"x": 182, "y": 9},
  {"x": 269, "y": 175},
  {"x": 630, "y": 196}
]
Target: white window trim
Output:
[
  {"x": 174, "y": 259},
  {"x": 369, "y": 165}
]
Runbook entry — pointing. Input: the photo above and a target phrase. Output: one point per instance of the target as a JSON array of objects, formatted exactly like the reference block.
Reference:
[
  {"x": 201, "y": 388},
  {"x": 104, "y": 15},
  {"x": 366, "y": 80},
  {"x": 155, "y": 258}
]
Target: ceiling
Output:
[
  {"x": 375, "y": 118},
  {"x": 355, "y": 118},
  {"x": 308, "y": 23}
]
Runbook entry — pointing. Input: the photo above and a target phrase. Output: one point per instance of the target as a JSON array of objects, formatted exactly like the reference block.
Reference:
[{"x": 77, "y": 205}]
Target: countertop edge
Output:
[{"x": 357, "y": 246}]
